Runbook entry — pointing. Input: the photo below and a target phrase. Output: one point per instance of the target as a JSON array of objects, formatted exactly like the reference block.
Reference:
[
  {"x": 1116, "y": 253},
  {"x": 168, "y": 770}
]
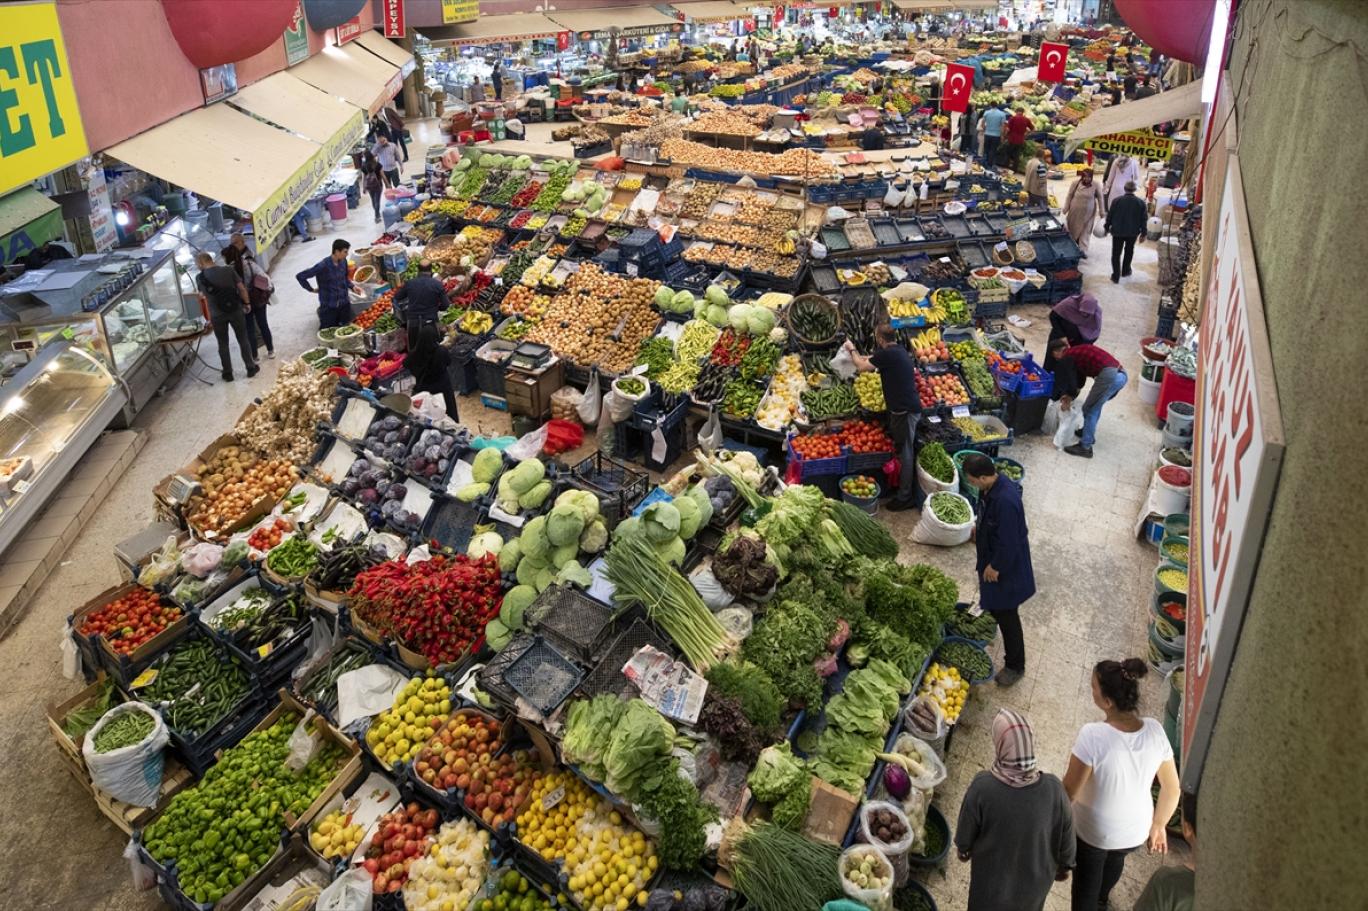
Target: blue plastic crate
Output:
[
  {"x": 1031, "y": 389},
  {"x": 813, "y": 468}
]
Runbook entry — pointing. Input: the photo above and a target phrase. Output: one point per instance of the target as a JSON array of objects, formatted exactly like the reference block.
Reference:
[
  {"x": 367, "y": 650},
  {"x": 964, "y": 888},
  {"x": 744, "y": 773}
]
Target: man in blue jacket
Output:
[
  {"x": 1006, "y": 580},
  {"x": 334, "y": 286}
]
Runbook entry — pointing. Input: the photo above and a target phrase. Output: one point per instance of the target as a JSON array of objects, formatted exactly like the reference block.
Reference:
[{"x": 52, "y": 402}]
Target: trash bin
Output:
[{"x": 337, "y": 207}]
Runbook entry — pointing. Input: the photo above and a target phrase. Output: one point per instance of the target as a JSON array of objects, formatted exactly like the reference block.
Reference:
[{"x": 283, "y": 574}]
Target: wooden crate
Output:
[
  {"x": 124, "y": 667},
  {"x": 175, "y": 778},
  {"x": 56, "y": 714}
]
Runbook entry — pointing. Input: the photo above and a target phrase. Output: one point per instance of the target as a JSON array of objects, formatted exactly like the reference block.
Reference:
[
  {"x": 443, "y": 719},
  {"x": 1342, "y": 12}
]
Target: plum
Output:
[
  {"x": 397, "y": 492},
  {"x": 368, "y": 496}
]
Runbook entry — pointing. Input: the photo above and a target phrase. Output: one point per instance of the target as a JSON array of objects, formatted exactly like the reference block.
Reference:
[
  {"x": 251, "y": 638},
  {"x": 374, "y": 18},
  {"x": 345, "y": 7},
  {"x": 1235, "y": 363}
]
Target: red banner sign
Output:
[
  {"x": 959, "y": 83},
  {"x": 349, "y": 30},
  {"x": 778, "y": 14},
  {"x": 562, "y": 41},
  {"x": 394, "y": 18},
  {"x": 1053, "y": 59}
]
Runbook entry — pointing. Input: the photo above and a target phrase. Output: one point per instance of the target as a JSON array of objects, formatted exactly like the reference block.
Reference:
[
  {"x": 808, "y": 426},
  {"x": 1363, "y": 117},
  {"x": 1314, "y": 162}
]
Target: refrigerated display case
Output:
[
  {"x": 117, "y": 309},
  {"x": 51, "y": 411}
]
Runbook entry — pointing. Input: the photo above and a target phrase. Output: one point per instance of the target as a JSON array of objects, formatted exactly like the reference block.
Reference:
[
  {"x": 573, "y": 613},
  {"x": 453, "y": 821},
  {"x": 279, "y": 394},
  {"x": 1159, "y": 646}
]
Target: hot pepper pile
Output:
[{"x": 436, "y": 607}]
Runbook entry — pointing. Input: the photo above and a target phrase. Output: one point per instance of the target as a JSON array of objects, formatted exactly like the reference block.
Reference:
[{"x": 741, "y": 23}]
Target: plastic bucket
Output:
[
  {"x": 1162, "y": 588},
  {"x": 1168, "y": 648},
  {"x": 1175, "y": 693},
  {"x": 903, "y": 895},
  {"x": 1159, "y": 602},
  {"x": 1180, "y": 415},
  {"x": 934, "y": 819},
  {"x": 1149, "y": 389},
  {"x": 1177, "y": 524},
  {"x": 868, "y": 504},
  {"x": 1174, "y": 548},
  {"x": 1173, "y": 440},
  {"x": 1174, "y": 455},
  {"x": 337, "y": 207},
  {"x": 1172, "y": 489}
]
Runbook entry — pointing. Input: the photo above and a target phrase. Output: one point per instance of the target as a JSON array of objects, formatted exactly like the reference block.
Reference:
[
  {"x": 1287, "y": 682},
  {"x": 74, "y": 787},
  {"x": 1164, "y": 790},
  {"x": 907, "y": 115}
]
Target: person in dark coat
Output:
[
  {"x": 897, "y": 373},
  {"x": 1006, "y": 579},
  {"x": 1077, "y": 318},
  {"x": 421, "y": 300},
  {"x": 430, "y": 364},
  {"x": 1126, "y": 218},
  {"x": 228, "y": 303}
]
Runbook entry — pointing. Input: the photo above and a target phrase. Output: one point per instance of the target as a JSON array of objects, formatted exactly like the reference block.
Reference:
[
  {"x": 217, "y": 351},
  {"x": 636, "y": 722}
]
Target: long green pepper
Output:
[{"x": 199, "y": 685}]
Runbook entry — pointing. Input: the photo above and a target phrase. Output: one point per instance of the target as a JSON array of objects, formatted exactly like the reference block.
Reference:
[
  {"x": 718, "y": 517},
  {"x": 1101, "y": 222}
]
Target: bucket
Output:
[
  {"x": 337, "y": 207},
  {"x": 1180, "y": 416},
  {"x": 1177, "y": 524},
  {"x": 1175, "y": 549},
  {"x": 1167, "y": 647},
  {"x": 1171, "y": 608},
  {"x": 1149, "y": 389},
  {"x": 868, "y": 504},
  {"x": 1172, "y": 489},
  {"x": 215, "y": 217},
  {"x": 1173, "y": 440},
  {"x": 1175, "y": 694},
  {"x": 934, "y": 820},
  {"x": 390, "y": 213},
  {"x": 1161, "y": 587},
  {"x": 1174, "y": 455},
  {"x": 1152, "y": 371}
]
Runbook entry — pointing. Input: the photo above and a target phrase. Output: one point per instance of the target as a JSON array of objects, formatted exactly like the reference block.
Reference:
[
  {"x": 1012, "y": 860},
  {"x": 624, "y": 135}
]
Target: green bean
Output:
[{"x": 131, "y": 727}]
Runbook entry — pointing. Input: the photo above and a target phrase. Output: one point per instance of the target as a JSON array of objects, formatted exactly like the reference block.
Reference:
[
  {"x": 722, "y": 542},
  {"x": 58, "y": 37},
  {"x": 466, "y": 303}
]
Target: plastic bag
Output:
[
  {"x": 819, "y": 250},
  {"x": 931, "y": 530},
  {"x": 199, "y": 560},
  {"x": 710, "y": 435},
  {"x": 162, "y": 566},
  {"x": 133, "y": 773},
  {"x": 933, "y": 734},
  {"x": 352, "y": 891},
  {"x": 633, "y": 397},
  {"x": 144, "y": 877},
  {"x": 1099, "y": 228},
  {"x": 303, "y": 744},
  {"x": 737, "y": 621},
  {"x": 529, "y": 446},
  {"x": 710, "y": 590},
  {"x": 895, "y": 851},
  {"x": 893, "y": 197},
  {"x": 930, "y": 485},
  {"x": 1050, "y": 422},
  {"x": 618, "y": 407},
  {"x": 910, "y": 745},
  {"x": 1069, "y": 421},
  {"x": 433, "y": 409},
  {"x": 591, "y": 402},
  {"x": 71, "y": 654},
  {"x": 842, "y": 364},
  {"x": 876, "y": 895}
]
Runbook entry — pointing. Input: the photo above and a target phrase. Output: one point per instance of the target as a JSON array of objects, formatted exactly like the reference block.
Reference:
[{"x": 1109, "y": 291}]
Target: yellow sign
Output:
[
  {"x": 1140, "y": 143},
  {"x": 40, "y": 122},
  {"x": 455, "y": 11},
  {"x": 271, "y": 217}
]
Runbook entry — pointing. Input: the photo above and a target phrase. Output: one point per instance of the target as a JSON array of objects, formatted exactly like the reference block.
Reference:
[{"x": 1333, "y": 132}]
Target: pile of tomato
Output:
[
  {"x": 866, "y": 436},
  {"x": 130, "y": 620},
  {"x": 270, "y": 534},
  {"x": 817, "y": 446}
]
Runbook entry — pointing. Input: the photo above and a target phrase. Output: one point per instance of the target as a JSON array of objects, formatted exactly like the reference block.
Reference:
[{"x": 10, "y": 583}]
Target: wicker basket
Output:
[{"x": 803, "y": 299}]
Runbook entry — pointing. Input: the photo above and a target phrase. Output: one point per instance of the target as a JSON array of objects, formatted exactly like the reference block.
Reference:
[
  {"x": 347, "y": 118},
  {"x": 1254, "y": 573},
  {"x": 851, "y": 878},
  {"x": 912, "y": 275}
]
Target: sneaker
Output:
[
  {"x": 896, "y": 505},
  {"x": 1115, "y": 280},
  {"x": 1078, "y": 449},
  {"x": 311, "y": 239},
  {"x": 253, "y": 371},
  {"x": 1125, "y": 273},
  {"x": 1007, "y": 677},
  {"x": 270, "y": 355}
]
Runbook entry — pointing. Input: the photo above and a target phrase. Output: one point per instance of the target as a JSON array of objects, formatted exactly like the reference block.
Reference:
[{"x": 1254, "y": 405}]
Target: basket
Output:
[
  {"x": 818, "y": 300},
  {"x": 542, "y": 676},
  {"x": 607, "y": 678},
  {"x": 571, "y": 620},
  {"x": 618, "y": 487},
  {"x": 868, "y": 504}
]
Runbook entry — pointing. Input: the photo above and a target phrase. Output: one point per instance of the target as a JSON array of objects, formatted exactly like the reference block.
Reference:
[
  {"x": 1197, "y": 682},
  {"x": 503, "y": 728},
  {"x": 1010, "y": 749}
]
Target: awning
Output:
[
  {"x": 713, "y": 11},
  {"x": 352, "y": 73},
  {"x": 297, "y": 106},
  {"x": 227, "y": 155},
  {"x": 387, "y": 51},
  {"x": 28, "y": 219},
  {"x": 624, "y": 21},
  {"x": 924, "y": 6},
  {"x": 1175, "y": 104},
  {"x": 494, "y": 30},
  {"x": 970, "y": 5}
]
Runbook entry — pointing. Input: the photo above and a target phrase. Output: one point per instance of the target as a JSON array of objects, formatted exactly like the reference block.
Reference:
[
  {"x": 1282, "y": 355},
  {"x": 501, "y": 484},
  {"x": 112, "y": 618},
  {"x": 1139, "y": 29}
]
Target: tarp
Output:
[
  {"x": 295, "y": 105},
  {"x": 629, "y": 20},
  {"x": 494, "y": 29},
  {"x": 28, "y": 219},
  {"x": 1175, "y": 104},
  {"x": 352, "y": 73},
  {"x": 387, "y": 50},
  {"x": 713, "y": 11}
]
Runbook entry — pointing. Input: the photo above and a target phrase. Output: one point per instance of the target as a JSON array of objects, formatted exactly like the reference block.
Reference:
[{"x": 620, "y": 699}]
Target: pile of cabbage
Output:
[
  {"x": 667, "y": 524},
  {"x": 746, "y": 319},
  {"x": 589, "y": 192}
]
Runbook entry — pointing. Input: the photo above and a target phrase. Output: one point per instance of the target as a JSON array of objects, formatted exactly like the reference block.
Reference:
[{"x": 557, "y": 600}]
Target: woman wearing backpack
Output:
[{"x": 259, "y": 289}]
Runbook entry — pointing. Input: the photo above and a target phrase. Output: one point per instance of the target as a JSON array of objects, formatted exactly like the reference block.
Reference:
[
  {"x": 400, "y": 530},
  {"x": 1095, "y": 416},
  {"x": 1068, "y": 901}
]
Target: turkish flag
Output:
[
  {"x": 1053, "y": 58},
  {"x": 778, "y": 14},
  {"x": 959, "y": 83},
  {"x": 562, "y": 41}
]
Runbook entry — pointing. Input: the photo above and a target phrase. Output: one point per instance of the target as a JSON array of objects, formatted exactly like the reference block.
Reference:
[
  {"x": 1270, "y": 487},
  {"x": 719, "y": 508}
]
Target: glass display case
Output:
[
  {"x": 117, "y": 309},
  {"x": 51, "y": 411}
]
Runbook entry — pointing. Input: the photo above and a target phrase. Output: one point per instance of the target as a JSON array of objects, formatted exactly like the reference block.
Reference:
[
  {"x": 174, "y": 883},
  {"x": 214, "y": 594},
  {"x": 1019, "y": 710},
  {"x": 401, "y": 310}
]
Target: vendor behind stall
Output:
[
  {"x": 872, "y": 139},
  {"x": 897, "y": 372},
  {"x": 420, "y": 300}
]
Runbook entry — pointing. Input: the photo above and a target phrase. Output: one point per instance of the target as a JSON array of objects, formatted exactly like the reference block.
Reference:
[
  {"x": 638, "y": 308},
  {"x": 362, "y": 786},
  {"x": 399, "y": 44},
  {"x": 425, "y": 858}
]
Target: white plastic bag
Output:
[
  {"x": 71, "y": 654},
  {"x": 896, "y": 850},
  {"x": 930, "y": 485},
  {"x": 931, "y": 530},
  {"x": 875, "y": 897},
  {"x": 1099, "y": 228},
  {"x": 818, "y": 250},
  {"x": 162, "y": 566},
  {"x": 591, "y": 402},
  {"x": 529, "y": 446},
  {"x": 144, "y": 877},
  {"x": 618, "y": 407},
  {"x": 433, "y": 408},
  {"x": 842, "y": 364},
  {"x": 710, "y": 590},
  {"x": 893, "y": 197},
  {"x": 303, "y": 744},
  {"x": 932, "y": 735},
  {"x": 921, "y": 752},
  {"x": 352, "y": 891},
  {"x": 710, "y": 435},
  {"x": 1069, "y": 421},
  {"x": 201, "y": 559},
  {"x": 633, "y": 397},
  {"x": 1050, "y": 422},
  {"x": 133, "y": 773}
]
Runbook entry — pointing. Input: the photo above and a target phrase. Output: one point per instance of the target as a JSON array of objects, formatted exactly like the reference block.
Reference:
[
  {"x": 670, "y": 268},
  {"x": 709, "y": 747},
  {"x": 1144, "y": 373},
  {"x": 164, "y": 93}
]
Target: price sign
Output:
[
  {"x": 21, "y": 486},
  {"x": 555, "y": 797},
  {"x": 264, "y": 650},
  {"x": 960, "y": 411},
  {"x": 143, "y": 679}
]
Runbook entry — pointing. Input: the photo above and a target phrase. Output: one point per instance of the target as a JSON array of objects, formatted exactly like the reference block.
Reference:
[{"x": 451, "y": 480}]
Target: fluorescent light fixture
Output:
[{"x": 1211, "y": 70}]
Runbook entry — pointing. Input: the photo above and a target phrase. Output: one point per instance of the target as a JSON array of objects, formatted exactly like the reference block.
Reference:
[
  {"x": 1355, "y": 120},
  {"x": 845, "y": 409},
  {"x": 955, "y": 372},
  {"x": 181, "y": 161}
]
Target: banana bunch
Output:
[
  {"x": 786, "y": 246},
  {"x": 927, "y": 338},
  {"x": 901, "y": 307},
  {"x": 936, "y": 312}
]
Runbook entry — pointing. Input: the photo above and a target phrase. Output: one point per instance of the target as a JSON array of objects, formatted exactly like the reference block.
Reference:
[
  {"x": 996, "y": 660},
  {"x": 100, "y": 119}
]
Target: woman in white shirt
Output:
[{"x": 1113, "y": 764}]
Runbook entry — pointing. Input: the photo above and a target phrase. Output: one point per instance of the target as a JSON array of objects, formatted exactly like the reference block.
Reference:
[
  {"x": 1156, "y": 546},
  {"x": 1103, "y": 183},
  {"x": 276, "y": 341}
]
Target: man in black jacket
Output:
[
  {"x": 421, "y": 300},
  {"x": 228, "y": 307},
  {"x": 1125, "y": 223}
]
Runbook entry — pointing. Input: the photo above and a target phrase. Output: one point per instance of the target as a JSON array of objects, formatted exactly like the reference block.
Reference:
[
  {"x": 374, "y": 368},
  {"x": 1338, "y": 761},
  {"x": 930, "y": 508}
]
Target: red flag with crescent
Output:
[
  {"x": 959, "y": 83},
  {"x": 1053, "y": 59}
]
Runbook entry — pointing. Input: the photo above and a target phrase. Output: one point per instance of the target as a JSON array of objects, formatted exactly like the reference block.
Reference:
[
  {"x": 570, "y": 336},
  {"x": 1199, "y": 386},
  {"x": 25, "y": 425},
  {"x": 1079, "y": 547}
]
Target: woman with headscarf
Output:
[
  {"x": 1082, "y": 207},
  {"x": 1077, "y": 318},
  {"x": 430, "y": 365},
  {"x": 1015, "y": 825},
  {"x": 1123, "y": 170}
]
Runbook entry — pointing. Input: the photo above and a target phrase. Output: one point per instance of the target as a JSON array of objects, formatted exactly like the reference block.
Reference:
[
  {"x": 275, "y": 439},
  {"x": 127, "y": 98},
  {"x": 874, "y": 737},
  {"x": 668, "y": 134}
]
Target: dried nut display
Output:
[
  {"x": 790, "y": 163},
  {"x": 723, "y": 123}
]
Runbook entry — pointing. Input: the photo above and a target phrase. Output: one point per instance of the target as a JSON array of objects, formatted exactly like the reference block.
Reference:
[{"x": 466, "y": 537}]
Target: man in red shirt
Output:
[
  {"x": 1018, "y": 125},
  {"x": 1074, "y": 365}
]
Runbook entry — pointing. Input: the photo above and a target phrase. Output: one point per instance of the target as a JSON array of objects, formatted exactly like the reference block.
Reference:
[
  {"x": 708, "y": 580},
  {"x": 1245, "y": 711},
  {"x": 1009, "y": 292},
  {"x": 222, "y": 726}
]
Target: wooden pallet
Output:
[{"x": 175, "y": 778}]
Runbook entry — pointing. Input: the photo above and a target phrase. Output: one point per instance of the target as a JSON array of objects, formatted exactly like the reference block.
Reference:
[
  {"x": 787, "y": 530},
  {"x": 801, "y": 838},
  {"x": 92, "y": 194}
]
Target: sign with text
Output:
[
  {"x": 393, "y": 12},
  {"x": 635, "y": 31},
  {"x": 296, "y": 38},
  {"x": 218, "y": 82},
  {"x": 1238, "y": 447},
  {"x": 349, "y": 30},
  {"x": 1137, "y": 143},
  {"x": 562, "y": 41},
  {"x": 103, "y": 235},
  {"x": 458, "y": 11},
  {"x": 40, "y": 122},
  {"x": 271, "y": 217}
]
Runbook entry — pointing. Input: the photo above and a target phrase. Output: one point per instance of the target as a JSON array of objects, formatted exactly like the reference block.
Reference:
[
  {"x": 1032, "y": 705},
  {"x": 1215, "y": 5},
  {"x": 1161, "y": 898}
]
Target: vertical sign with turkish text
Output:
[
  {"x": 296, "y": 38},
  {"x": 103, "y": 236},
  {"x": 1053, "y": 60},
  {"x": 40, "y": 123},
  {"x": 959, "y": 84},
  {"x": 1238, "y": 449},
  {"x": 393, "y": 11},
  {"x": 562, "y": 41}
]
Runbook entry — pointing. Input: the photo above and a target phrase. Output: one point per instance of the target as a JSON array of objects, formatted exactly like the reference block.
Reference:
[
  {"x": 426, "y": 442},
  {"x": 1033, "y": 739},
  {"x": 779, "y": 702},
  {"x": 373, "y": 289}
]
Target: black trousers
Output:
[
  {"x": 258, "y": 329},
  {"x": 1013, "y": 642},
  {"x": 235, "y": 320},
  {"x": 375, "y": 201},
  {"x": 1096, "y": 871},
  {"x": 392, "y": 178},
  {"x": 1123, "y": 248}
]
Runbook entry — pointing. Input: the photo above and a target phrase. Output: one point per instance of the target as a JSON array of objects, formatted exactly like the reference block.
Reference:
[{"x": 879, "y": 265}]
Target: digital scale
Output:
[
  {"x": 529, "y": 356},
  {"x": 181, "y": 489}
]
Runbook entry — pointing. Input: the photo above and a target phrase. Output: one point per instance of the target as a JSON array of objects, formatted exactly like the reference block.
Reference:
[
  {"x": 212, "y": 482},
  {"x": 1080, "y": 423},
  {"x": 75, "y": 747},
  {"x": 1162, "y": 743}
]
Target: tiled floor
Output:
[{"x": 1093, "y": 578}]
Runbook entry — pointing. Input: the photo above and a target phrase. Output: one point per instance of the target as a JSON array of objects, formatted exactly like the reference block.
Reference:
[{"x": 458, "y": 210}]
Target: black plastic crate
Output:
[
  {"x": 571, "y": 620},
  {"x": 450, "y": 522},
  {"x": 618, "y": 486},
  {"x": 542, "y": 676},
  {"x": 491, "y": 677},
  {"x": 607, "y": 677}
]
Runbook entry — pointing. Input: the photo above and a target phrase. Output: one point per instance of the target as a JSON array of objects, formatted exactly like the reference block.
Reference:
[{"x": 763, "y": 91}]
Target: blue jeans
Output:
[
  {"x": 1104, "y": 388},
  {"x": 300, "y": 223}
]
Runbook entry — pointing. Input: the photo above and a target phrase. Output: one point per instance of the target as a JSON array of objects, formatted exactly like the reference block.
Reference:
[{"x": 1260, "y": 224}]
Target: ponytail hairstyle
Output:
[{"x": 1119, "y": 681}]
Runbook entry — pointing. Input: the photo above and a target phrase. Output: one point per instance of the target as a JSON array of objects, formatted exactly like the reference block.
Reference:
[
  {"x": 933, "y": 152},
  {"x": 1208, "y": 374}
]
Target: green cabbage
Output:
[
  {"x": 510, "y": 555},
  {"x": 660, "y": 521},
  {"x": 776, "y": 773},
  {"x": 739, "y": 316},
  {"x": 759, "y": 321},
  {"x": 688, "y": 516},
  {"x": 717, "y": 296},
  {"x": 525, "y": 475},
  {"x": 574, "y": 574},
  {"x": 497, "y": 635},
  {"x": 486, "y": 466},
  {"x": 699, "y": 494},
  {"x": 545, "y": 579},
  {"x": 564, "y": 525},
  {"x": 627, "y": 528},
  {"x": 664, "y": 297},
  {"x": 564, "y": 554},
  {"x": 528, "y": 567},
  {"x": 583, "y": 500},
  {"x": 515, "y": 603},
  {"x": 486, "y": 542},
  {"x": 672, "y": 551},
  {"x": 717, "y": 316},
  {"x": 595, "y": 536},
  {"x": 533, "y": 539},
  {"x": 472, "y": 491},
  {"x": 535, "y": 497}
]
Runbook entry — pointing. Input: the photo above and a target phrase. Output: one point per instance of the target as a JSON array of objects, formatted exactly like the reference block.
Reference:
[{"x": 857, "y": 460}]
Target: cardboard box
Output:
[
  {"x": 293, "y": 866},
  {"x": 124, "y": 667},
  {"x": 351, "y": 765},
  {"x": 56, "y": 714},
  {"x": 366, "y": 800},
  {"x": 830, "y": 812}
]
